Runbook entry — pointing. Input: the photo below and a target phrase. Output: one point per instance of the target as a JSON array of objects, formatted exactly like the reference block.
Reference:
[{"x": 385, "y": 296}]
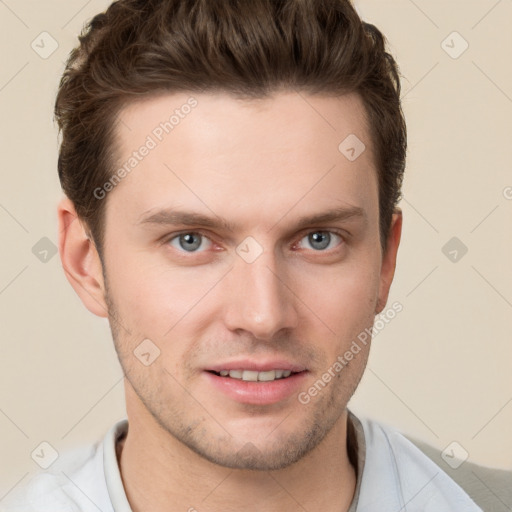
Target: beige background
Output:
[{"x": 440, "y": 371}]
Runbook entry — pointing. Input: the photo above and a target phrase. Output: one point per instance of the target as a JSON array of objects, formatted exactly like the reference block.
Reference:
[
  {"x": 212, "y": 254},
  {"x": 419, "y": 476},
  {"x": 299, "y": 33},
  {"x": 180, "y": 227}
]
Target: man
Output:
[{"x": 232, "y": 172}]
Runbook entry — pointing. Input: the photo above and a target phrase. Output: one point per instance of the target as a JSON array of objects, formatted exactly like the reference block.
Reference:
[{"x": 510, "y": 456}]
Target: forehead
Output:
[
  {"x": 215, "y": 152},
  {"x": 218, "y": 115}
]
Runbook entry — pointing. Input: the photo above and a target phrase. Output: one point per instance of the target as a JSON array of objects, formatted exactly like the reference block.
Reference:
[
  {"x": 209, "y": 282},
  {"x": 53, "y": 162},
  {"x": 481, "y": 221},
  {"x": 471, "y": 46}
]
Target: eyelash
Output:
[{"x": 341, "y": 235}]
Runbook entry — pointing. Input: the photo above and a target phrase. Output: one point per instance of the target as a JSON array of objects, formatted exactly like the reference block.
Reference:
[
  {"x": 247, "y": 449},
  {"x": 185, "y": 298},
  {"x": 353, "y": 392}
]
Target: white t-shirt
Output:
[{"x": 393, "y": 475}]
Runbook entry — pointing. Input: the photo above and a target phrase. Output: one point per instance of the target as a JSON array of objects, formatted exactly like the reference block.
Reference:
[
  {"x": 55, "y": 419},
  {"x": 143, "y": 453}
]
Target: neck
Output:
[{"x": 161, "y": 474}]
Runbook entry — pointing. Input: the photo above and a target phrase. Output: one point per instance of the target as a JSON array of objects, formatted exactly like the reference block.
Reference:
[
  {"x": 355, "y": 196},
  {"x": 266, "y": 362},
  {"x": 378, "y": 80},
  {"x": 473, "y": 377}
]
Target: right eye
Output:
[{"x": 189, "y": 241}]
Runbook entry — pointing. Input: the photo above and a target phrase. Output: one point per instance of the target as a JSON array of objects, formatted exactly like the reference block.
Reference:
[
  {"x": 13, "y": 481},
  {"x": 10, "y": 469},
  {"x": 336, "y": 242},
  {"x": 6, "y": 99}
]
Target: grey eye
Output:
[
  {"x": 320, "y": 240},
  {"x": 189, "y": 242}
]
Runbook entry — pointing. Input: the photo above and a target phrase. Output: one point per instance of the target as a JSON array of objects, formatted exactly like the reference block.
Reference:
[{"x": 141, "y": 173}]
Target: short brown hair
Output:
[{"x": 247, "y": 48}]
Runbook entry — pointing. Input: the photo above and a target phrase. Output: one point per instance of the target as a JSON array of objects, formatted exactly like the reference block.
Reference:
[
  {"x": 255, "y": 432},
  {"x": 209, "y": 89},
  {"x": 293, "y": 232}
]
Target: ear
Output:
[
  {"x": 80, "y": 259},
  {"x": 389, "y": 259}
]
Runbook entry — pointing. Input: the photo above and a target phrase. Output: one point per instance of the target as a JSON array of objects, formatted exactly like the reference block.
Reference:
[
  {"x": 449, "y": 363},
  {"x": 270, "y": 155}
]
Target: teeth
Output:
[
  {"x": 254, "y": 376},
  {"x": 270, "y": 375},
  {"x": 250, "y": 375}
]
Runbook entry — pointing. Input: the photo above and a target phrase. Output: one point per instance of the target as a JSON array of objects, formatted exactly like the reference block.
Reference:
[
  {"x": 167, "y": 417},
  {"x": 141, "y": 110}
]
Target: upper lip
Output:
[{"x": 259, "y": 366}]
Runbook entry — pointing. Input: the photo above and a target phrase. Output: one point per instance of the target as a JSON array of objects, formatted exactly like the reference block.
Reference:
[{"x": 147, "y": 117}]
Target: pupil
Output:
[
  {"x": 320, "y": 239},
  {"x": 190, "y": 241}
]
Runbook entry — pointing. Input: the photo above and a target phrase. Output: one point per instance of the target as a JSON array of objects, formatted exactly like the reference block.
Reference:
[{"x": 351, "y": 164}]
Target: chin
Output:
[{"x": 271, "y": 453}]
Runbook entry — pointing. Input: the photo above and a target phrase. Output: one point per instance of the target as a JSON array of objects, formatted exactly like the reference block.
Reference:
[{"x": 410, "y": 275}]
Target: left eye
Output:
[
  {"x": 322, "y": 240},
  {"x": 189, "y": 242}
]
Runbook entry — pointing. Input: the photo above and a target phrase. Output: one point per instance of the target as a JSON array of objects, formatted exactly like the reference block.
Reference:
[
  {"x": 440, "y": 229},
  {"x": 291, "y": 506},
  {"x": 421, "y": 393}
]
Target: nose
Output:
[{"x": 259, "y": 298}]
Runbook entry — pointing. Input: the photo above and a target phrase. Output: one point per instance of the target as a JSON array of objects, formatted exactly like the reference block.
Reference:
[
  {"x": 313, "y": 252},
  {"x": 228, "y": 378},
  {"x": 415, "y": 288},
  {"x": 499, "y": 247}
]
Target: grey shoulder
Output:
[
  {"x": 58, "y": 488},
  {"x": 43, "y": 492},
  {"x": 489, "y": 488}
]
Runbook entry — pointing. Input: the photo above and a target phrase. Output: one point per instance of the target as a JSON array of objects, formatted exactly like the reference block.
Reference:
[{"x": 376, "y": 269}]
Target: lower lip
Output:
[{"x": 260, "y": 392}]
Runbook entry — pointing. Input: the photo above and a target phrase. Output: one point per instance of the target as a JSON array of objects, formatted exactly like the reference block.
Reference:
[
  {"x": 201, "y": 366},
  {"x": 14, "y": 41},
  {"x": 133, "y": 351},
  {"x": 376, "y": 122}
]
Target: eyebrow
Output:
[{"x": 174, "y": 217}]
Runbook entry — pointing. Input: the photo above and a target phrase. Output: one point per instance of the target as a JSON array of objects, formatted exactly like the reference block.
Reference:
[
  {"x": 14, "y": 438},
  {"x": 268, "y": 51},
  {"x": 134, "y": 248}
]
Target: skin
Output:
[{"x": 261, "y": 165}]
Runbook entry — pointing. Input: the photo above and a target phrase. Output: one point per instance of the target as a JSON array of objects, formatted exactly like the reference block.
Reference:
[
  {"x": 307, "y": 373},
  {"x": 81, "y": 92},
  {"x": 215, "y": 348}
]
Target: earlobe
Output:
[
  {"x": 80, "y": 259},
  {"x": 389, "y": 260}
]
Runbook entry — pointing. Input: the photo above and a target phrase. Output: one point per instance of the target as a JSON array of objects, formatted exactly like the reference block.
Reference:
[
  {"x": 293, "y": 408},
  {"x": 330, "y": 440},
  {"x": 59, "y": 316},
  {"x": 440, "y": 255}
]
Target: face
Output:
[{"x": 245, "y": 241}]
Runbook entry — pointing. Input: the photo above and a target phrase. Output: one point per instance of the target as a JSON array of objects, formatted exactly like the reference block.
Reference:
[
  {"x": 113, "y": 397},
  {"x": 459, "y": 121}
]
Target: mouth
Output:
[
  {"x": 256, "y": 376},
  {"x": 257, "y": 383}
]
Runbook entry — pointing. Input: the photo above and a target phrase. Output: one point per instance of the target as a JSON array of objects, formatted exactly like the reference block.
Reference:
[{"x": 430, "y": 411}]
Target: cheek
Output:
[
  {"x": 154, "y": 298},
  {"x": 355, "y": 275},
  {"x": 343, "y": 299}
]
